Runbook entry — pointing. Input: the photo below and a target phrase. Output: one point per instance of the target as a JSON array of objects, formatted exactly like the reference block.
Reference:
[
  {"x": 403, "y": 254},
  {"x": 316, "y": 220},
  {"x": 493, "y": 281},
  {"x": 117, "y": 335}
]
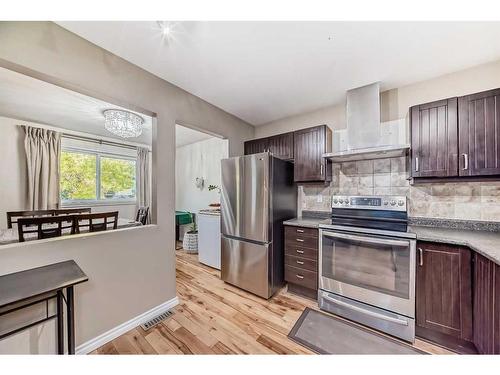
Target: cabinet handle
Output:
[
  {"x": 299, "y": 262},
  {"x": 420, "y": 257},
  {"x": 416, "y": 164},
  {"x": 466, "y": 161},
  {"x": 300, "y": 240},
  {"x": 300, "y": 231},
  {"x": 299, "y": 277},
  {"x": 300, "y": 251},
  {"x": 321, "y": 169}
]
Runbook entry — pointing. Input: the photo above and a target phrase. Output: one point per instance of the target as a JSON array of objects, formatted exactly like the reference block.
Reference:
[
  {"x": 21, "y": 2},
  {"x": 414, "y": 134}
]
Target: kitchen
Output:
[
  {"x": 344, "y": 202},
  {"x": 369, "y": 243}
]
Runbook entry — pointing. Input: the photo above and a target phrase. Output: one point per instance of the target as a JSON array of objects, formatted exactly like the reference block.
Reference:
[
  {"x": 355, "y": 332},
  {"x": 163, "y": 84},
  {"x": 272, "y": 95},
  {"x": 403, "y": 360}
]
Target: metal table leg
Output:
[
  {"x": 70, "y": 319},
  {"x": 60, "y": 323}
]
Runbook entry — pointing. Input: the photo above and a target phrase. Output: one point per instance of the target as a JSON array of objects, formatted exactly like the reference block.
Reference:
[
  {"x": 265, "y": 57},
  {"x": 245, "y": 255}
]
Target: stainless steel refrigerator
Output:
[{"x": 257, "y": 194}]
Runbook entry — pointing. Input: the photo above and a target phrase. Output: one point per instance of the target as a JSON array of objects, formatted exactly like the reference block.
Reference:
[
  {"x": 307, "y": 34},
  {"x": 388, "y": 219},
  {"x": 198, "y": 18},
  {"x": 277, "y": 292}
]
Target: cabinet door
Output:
[
  {"x": 256, "y": 146},
  {"x": 496, "y": 310},
  {"x": 444, "y": 295},
  {"x": 309, "y": 146},
  {"x": 479, "y": 134},
  {"x": 281, "y": 146},
  {"x": 486, "y": 305},
  {"x": 434, "y": 147}
]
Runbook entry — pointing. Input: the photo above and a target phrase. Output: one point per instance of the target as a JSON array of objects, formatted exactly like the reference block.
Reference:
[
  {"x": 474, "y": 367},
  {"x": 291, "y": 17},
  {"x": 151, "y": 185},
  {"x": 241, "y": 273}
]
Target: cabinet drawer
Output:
[
  {"x": 307, "y": 279},
  {"x": 302, "y": 263},
  {"x": 302, "y": 241},
  {"x": 291, "y": 231},
  {"x": 302, "y": 252}
]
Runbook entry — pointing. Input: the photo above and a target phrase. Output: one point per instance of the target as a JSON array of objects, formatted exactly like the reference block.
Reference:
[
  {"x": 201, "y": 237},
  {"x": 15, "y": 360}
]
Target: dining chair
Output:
[
  {"x": 142, "y": 215},
  {"x": 44, "y": 227},
  {"x": 13, "y": 216},
  {"x": 96, "y": 222}
]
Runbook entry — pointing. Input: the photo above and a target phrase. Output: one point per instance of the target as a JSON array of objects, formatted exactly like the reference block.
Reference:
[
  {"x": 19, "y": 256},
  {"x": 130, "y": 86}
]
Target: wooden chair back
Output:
[
  {"x": 13, "y": 216},
  {"x": 44, "y": 227},
  {"x": 142, "y": 215},
  {"x": 96, "y": 222}
]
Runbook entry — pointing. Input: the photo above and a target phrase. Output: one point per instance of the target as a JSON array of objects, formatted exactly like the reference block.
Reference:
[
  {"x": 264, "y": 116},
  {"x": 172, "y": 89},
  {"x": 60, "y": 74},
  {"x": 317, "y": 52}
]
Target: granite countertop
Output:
[
  {"x": 307, "y": 222},
  {"x": 484, "y": 242}
]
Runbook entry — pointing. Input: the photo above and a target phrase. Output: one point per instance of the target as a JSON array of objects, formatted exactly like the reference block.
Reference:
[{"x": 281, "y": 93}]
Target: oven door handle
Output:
[
  {"x": 372, "y": 240},
  {"x": 366, "y": 312}
]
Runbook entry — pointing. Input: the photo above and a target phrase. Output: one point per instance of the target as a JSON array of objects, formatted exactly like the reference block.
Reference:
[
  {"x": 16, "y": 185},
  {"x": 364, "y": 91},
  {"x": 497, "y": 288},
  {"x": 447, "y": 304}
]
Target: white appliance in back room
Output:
[{"x": 209, "y": 238}]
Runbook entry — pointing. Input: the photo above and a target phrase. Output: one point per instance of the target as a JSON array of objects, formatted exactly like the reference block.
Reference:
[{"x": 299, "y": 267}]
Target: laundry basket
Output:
[{"x": 190, "y": 242}]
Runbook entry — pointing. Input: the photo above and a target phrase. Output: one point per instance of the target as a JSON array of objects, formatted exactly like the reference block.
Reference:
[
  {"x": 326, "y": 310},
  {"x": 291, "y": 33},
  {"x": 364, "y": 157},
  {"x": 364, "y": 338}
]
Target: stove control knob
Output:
[
  {"x": 393, "y": 203},
  {"x": 386, "y": 203},
  {"x": 335, "y": 200},
  {"x": 341, "y": 201},
  {"x": 401, "y": 202}
]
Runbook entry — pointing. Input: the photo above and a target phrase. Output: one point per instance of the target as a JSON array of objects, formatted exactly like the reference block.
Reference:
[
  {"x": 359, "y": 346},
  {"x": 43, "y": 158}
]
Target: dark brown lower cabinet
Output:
[
  {"x": 486, "y": 322},
  {"x": 444, "y": 296},
  {"x": 301, "y": 260}
]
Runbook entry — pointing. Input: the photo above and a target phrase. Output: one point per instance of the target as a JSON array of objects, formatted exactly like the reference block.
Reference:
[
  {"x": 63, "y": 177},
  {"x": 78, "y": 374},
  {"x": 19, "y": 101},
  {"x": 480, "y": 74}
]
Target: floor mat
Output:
[{"x": 326, "y": 334}]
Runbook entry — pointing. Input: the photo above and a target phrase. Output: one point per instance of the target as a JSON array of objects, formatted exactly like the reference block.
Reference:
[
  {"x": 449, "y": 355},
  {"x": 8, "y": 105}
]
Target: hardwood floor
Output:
[{"x": 216, "y": 318}]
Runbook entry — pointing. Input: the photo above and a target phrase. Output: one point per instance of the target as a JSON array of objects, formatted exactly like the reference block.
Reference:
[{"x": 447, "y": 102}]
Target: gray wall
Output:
[
  {"x": 130, "y": 271},
  {"x": 13, "y": 185}
]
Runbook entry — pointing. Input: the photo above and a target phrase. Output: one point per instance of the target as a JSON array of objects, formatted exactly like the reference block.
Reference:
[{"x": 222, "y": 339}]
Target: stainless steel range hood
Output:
[{"x": 364, "y": 138}]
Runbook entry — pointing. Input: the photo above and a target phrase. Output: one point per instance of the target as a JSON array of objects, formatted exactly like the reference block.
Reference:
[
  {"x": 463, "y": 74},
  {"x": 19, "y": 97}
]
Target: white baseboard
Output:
[{"x": 113, "y": 333}]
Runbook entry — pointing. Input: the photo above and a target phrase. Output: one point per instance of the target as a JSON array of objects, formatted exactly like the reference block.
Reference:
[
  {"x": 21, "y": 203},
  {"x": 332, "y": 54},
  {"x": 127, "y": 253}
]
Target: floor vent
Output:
[{"x": 157, "y": 319}]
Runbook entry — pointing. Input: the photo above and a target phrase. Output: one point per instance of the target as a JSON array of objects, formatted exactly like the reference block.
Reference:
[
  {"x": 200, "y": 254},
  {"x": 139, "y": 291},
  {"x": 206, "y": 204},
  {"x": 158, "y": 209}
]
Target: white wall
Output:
[
  {"x": 130, "y": 271},
  {"x": 199, "y": 159},
  {"x": 13, "y": 187}
]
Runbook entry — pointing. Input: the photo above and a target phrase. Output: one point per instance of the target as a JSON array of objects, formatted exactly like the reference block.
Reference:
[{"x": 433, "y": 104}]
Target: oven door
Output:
[{"x": 377, "y": 270}]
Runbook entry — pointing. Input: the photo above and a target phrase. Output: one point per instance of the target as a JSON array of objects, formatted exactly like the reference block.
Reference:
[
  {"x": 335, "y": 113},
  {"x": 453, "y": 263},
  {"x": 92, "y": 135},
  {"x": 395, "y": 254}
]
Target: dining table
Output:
[{"x": 11, "y": 235}]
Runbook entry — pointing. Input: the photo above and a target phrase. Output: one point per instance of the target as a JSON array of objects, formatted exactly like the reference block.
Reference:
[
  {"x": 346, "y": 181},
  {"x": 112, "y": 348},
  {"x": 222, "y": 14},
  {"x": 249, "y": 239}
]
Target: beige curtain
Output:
[
  {"x": 43, "y": 149},
  {"x": 143, "y": 181}
]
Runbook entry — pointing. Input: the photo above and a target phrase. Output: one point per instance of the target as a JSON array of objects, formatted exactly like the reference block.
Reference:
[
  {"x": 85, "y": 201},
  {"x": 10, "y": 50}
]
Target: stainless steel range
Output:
[{"x": 367, "y": 263}]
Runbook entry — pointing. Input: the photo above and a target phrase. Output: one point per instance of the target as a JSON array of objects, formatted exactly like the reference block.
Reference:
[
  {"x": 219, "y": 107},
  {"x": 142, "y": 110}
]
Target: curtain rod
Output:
[{"x": 100, "y": 141}]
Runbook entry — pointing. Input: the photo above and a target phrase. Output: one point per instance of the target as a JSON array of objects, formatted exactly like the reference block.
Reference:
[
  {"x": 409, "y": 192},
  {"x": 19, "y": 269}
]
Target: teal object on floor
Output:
[{"x": 183, "y": 217}]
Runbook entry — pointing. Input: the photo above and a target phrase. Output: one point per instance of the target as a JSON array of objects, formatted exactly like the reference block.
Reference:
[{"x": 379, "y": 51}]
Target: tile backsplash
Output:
[{"x": 463, "y": 200}]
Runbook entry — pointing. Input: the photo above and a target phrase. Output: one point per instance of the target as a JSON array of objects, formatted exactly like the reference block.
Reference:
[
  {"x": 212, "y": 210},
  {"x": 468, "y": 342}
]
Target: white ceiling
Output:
[
  {"x": 29, "y": 99},
  {"x": 263, "y": 71},
  {"x": 185, "y": 136}
]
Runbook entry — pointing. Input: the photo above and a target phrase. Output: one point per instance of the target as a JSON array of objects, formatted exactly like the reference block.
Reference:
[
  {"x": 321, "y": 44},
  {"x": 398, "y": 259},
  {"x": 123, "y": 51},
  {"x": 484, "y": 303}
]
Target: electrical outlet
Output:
[{"x": 319, "y": 198}]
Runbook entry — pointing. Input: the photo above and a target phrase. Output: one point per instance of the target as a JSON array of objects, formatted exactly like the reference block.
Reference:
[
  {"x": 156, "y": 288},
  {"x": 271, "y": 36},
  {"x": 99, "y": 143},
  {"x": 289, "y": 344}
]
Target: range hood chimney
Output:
[
  {"x": 364, "y": 137},
  {"x": 363, "y": 117}
]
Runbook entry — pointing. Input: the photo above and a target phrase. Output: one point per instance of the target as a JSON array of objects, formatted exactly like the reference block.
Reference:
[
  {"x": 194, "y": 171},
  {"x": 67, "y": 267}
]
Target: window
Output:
[{"x": 87, "y": 176}]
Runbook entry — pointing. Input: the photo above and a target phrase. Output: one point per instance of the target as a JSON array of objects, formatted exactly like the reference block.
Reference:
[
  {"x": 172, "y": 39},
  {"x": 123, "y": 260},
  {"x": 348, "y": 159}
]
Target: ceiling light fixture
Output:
[
  {"x": 165, "y": 28},
  {"x": 122, "y": 123}
]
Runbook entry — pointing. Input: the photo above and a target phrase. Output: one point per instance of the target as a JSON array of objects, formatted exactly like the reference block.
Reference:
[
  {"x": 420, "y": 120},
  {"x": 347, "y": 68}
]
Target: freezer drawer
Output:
[{"x": 246, "y": 265}]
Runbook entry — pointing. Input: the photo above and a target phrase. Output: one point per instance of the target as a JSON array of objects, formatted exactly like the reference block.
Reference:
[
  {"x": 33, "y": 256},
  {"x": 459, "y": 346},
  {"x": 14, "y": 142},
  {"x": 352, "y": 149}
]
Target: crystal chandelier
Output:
[{"x": 123, "y": 123}]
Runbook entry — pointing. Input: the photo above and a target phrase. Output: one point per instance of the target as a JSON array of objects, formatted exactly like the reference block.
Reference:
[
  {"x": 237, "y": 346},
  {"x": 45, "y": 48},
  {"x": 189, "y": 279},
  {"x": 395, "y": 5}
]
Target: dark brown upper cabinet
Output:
[
  {"x": 444, "y": 295},
  {"x": 305, "y": 147},
  {"x": 479, "y": 134},
  {"x": 309, "y": 146},
  {"x": 434, "y": 146},
  {"x": 281, "y": 146},
  {"x": 256, "y": 146}
]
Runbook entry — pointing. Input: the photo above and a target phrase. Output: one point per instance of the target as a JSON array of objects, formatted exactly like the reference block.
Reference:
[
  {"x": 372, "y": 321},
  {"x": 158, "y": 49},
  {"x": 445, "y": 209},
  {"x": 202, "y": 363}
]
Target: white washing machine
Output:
[{"x": 209, "y": 238}]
